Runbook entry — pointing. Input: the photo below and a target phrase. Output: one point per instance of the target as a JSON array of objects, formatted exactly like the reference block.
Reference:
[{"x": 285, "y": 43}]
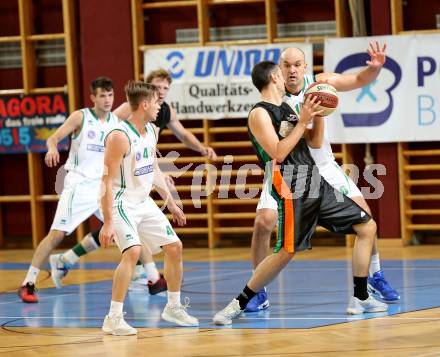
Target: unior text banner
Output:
[
  {"x": 402, "y": 104},
  {"x": 214, "y": 82}
]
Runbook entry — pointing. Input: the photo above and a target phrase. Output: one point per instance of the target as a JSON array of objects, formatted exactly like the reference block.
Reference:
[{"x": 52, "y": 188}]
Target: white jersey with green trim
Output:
[
  {"x": 134, "y": 180},
  {"x": 86, "y": 155},
  {"x": 324, "y": 154}
]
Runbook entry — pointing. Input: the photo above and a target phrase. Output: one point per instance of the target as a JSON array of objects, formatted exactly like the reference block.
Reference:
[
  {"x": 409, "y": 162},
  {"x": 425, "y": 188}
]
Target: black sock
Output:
[
  {"x": 95, "y": 236},
  {"x": 245, "y": 296},
  {"x": 360, "y": 287}
]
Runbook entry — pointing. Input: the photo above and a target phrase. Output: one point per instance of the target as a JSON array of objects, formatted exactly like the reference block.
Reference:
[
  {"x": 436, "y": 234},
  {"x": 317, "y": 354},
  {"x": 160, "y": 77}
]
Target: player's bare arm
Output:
[
  {"x": 189, "y": 139},
  {"x": 346, "y": 82},
  {"x": 116, "y": 146},
  {"x": 264, "y": 132},
  {"x": 164, "y": 192},
  {"x": 123, "y": 111},
  {"x": 315, "y": 136},
  {"x": 72, "y": 124}
]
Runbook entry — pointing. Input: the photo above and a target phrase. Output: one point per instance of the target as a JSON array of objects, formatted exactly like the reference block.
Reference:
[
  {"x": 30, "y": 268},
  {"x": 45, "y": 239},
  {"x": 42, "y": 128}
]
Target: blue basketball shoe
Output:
[
  {"x": 258, "y": 303},
  {"x": 379, "y": 286}
]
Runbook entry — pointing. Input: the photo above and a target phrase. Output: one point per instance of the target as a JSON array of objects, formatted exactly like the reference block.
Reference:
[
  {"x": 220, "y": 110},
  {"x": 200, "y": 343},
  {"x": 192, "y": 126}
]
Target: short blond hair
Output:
[
  {"x": 159, "y": 73},
  {"x": 136, "y": 91}
]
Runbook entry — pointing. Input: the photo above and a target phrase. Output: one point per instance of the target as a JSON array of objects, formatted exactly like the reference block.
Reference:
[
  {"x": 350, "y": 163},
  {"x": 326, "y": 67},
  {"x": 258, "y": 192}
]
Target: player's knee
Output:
[
  {"x": 368, "y": 229},
  {"x": 132, "y": 254},
  {"x": 265, "y": 223},
  {"x": 285, "y": 255},
  {"x": 372, "y": 227},
  {"x": 55, "y": 237},
  {"x": 174, "y": 249}
]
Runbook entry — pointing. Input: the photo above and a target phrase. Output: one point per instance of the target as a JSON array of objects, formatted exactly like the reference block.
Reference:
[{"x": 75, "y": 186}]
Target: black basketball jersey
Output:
[
  {"x": 163, "y": 117},
  {"x": 299, "y": 164}
]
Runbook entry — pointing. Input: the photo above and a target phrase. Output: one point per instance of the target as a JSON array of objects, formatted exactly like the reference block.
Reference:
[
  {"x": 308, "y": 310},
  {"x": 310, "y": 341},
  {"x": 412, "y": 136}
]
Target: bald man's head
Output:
[
  {"x": 292, "y": 53},
  {"x": 293, "y": 66}
]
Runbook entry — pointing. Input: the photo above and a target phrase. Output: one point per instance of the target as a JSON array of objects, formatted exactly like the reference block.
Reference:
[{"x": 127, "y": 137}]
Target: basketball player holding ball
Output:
[
  {"x": 293, "y": 68},
  {"x": 304, "y": 199}
]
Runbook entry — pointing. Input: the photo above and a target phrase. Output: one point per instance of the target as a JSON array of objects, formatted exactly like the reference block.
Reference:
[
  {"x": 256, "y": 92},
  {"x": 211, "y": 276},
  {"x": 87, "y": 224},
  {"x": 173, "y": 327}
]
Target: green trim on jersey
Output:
[
  {"x": 109, "y": 115},
  {"x": 123, "y": 183},
  {"x": 306, "y": 84},
  {"x": 132, "y": 128},
  {"x": 154, "y": 131},
  {"x": 126, "y": 134},
  {"x": 93, "y": 113},
  {"x": 76, "y": 134},
  {"x": 261, "y": 153}
]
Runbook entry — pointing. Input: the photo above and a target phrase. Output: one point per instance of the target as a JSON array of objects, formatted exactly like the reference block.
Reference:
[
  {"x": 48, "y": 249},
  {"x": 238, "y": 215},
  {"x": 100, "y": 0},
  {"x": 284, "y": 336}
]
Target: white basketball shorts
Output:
[
  {"x": 142, "y": 224},
  {"x": 78, "y": 201}
]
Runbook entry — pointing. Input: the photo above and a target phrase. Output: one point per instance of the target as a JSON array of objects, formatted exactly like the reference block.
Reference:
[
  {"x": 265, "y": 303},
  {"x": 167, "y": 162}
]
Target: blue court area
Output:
[{"x": 306, "y": 294}]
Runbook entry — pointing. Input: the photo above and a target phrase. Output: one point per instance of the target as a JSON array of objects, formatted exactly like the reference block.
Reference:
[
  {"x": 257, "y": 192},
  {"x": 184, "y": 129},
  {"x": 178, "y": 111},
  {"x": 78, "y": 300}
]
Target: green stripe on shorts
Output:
[
  {"x": 281, "y": 213},
  {"x": 123, "y": 215}
]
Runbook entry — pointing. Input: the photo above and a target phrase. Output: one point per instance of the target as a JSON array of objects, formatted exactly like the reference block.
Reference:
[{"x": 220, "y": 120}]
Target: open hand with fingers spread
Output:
[{"x": 377, "y": 55}]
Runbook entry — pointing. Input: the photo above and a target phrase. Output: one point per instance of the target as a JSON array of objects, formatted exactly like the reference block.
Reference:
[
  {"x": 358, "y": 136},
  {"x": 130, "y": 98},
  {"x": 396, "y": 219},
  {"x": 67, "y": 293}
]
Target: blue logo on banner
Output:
[
  {"x": 175, "y": 58},
  {"x": 369, "y": 119},
  {"x": 232, "y": 62},
  {"x": 215, "y": 62}
]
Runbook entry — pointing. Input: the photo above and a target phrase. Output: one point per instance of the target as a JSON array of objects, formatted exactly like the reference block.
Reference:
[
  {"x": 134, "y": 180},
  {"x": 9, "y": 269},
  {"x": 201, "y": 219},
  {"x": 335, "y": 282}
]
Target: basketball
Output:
[{"x": 325, "y": 93}]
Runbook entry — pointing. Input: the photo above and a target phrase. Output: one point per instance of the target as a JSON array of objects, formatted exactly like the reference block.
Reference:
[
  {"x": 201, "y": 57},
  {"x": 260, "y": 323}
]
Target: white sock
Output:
[
  {"x": 374, "y": 264},
  {"x": 31, "y": 276},
  {"x": 70, "y": 257},
  {"x": 152, "y": 272},
  {"x": 115, "y": 308},
  {"x": 138, "y": 271},
  {"x": 89, "y": 244},
  {"x": 173, "y": 298}
]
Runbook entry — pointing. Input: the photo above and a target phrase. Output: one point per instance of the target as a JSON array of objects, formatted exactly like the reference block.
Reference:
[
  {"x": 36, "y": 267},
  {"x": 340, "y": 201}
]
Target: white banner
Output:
[
  {"x": 215, "y": 82},
  {"x": 403, "y": 104}
]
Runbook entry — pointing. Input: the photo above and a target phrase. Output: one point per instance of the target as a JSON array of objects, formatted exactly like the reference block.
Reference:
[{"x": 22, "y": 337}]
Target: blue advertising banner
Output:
[{"x": 27, "y": 121}]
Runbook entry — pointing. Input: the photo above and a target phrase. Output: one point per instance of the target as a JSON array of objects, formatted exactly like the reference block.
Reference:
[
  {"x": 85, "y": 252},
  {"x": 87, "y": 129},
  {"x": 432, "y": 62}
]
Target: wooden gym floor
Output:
[{"x": 306, "y": 316}]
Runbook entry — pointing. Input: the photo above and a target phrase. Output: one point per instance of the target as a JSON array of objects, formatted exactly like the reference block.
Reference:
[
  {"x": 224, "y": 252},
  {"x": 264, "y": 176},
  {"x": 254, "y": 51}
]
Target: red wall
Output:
[
  {"x": 106, "y": 44},
  {"x": 384, "y": 210},
  {"x": 105, "y": 48},
  {"x": 420, "y": 15}
]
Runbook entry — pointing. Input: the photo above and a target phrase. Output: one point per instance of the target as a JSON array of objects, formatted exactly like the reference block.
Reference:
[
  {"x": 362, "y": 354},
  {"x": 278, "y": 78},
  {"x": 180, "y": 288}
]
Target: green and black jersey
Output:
[{"x": 298, "y": 165}]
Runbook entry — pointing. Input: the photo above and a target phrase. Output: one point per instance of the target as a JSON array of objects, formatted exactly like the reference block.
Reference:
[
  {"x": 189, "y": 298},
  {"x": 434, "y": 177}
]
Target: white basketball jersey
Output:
[
  {"x": 134, "y": 180},
  {"x": 324, "y": 154},
  {"x": 86, "y": 155}
]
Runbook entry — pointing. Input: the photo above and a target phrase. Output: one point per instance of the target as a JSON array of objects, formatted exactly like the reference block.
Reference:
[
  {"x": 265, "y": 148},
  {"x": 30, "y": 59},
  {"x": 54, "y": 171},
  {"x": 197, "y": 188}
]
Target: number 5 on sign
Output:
[
  {"x": 6, "y": 137},
  {"x": 24, "y": 135}
]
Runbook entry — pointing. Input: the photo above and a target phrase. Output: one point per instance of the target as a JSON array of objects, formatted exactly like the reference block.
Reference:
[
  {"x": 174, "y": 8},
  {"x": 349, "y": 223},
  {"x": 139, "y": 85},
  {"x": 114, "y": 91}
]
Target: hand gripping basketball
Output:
[{"x": 324, "y": 93}]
